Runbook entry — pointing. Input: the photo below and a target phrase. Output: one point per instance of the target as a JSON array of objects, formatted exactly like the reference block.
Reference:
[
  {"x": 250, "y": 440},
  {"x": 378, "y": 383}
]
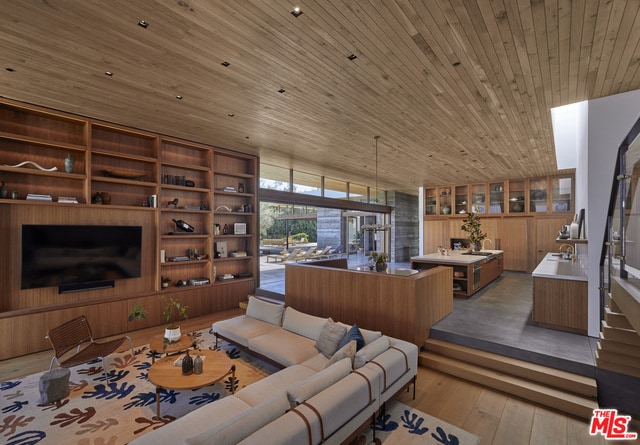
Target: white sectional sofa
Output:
[{"x": 335, "y": 378}]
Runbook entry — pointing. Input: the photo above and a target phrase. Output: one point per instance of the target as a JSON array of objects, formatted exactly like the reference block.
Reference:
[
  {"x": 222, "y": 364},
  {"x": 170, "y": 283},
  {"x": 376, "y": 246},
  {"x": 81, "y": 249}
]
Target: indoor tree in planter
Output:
[
  {"x": 472, "y": 225},
  {"x": 172, "y": 309}
]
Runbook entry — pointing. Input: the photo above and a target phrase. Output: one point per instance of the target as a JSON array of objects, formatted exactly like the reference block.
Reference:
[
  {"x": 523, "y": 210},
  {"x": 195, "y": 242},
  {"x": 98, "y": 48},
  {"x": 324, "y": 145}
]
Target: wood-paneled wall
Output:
[{"x": 400, "y": 306}]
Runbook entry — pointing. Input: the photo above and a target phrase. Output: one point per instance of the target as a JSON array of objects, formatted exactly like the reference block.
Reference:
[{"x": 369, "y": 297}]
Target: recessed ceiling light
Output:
[
  {"x": 108, "y": 73},
  {"x": 456, "y": 63},
  {"x": 297, "y": 12},
  {"x": 352, "y": 57},
  {"x": 11, "y": 70},
  {"x": 281, "y": 90},
  {"x": 179, "y": 97},
  {"x": 225, "y": 63},
  {"x": 231, "y": 114},
  {"x": 143, "y": 24}
]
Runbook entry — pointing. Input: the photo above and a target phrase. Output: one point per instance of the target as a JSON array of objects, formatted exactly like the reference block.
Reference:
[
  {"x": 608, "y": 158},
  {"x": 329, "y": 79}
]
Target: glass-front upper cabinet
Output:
[
  {"x": 517, "y": 196},
  {"x": 430, "y": 201},
  {"x": 496, "y": 197},
  {"x": 479, "y": 198},
  {"x": 538, "y": 189},
  {"x": 562, "y": 194},
  {"x": 445, "y": 200},
  {"x": 462, "y": 199}
]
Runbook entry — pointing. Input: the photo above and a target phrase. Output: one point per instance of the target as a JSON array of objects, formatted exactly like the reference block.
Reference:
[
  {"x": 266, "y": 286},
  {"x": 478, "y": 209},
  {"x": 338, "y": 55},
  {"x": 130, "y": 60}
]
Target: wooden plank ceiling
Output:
[{"x": 458, "y": 91}]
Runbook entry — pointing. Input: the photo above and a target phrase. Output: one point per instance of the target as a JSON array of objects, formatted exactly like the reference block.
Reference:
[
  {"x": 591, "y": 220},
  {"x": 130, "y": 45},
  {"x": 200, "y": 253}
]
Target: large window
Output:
[
  {"x": 274, "y": 178},
  {"x": 358, "y": 192},
  {"x": 307, "y": 184},
  {"x": 335, "y": 189}
]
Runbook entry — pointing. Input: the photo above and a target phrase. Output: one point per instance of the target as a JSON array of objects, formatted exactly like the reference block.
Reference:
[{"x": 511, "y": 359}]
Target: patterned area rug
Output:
[
  {"x": 404, "y": 425},
  {"x": 98, "y": 414}
]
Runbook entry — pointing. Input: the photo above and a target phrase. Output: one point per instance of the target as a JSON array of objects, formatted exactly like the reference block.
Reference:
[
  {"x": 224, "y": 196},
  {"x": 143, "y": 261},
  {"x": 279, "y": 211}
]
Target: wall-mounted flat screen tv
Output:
[{"x": 79, "y": 257}]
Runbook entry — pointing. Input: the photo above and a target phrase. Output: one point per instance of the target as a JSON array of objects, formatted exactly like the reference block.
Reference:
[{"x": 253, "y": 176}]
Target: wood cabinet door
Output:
[
  {"x": 547, "y": 230},
  {"x": 512, "y": 233},
  {"x": 434, "y": 235}
]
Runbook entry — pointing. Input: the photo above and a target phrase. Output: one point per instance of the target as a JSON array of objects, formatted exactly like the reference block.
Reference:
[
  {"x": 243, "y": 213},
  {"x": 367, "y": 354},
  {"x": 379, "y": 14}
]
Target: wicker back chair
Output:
[{"x": 73, "y": 335}]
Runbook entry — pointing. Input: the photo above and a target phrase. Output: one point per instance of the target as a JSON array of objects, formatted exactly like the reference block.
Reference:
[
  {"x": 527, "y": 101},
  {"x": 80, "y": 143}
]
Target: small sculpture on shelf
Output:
[
  {"x": 240, "y": 187},
  {"x": 69, "y": 163}
]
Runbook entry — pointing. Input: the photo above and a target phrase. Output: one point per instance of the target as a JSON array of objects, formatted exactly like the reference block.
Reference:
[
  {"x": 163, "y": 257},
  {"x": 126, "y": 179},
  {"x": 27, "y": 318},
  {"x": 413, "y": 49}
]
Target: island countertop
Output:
[
  {"x": 455, "y": 257},
  {"x": 553, "y": 266}
]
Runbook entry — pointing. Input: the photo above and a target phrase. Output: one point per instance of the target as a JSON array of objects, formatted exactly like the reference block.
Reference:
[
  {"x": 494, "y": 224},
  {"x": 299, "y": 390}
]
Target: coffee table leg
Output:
[
  {"x": 158, "y": 401},
  {"x": 233, "y": 379}
]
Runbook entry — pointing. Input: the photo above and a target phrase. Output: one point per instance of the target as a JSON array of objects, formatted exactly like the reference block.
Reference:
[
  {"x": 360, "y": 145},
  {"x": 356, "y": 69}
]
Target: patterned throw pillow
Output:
[
  {"x": 330, "y": 337},
  {"x": 353, "y": 334}
]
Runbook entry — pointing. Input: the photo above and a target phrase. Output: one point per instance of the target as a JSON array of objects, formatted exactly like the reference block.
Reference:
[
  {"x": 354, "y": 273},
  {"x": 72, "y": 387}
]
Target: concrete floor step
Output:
[
  {"x": 566, "y": 402},
  {"x": 555, "y": 378}
]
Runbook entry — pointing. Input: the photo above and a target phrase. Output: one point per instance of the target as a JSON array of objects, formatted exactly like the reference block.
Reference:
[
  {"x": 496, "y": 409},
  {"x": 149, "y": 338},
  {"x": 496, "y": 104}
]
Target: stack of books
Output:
[
  {"x": 67, "y": 200},
  {"x": 35, "y": 197}
]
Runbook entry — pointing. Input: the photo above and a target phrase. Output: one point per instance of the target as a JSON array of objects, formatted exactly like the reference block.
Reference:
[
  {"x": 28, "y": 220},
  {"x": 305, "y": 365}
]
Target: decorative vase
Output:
[
  {"x": 381, "y": 267},
  {"x": 4, "y": 191},
  {"x": 106, "y": 198},
  {"x": 187, "y": 364},
  {"x": 477, "y": 247},
  {"x": 197, "y": 365},
  {"x": 69, "y": 163},
  {"x": 172, "y": 334}
]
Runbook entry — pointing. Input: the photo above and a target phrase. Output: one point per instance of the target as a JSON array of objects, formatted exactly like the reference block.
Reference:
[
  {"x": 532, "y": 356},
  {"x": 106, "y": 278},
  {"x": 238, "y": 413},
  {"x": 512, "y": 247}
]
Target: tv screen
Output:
[{"x": 79, "y": 257}]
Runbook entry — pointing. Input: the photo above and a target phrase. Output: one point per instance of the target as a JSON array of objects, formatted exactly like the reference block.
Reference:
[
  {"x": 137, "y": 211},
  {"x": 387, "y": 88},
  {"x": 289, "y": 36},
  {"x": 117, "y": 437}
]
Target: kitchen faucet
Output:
[
  {"x": 569, "y": 253},
  {"x": 484, "y": 241}
]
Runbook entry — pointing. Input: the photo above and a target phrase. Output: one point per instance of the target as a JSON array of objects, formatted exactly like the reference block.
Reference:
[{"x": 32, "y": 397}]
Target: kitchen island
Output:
[
  {"x": 471, "y": 271},
  {"x": 560, "y": 294}
]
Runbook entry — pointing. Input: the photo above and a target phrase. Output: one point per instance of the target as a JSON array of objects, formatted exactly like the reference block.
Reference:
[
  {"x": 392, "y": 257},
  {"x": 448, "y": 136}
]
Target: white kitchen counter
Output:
[
  {"x": 553, "y": 266},
  {"x": 454, "y": 257}
]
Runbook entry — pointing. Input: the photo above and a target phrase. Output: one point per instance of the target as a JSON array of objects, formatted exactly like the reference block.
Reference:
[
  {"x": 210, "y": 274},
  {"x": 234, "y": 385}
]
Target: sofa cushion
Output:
[
  {"x": 284, "y": 347},
  {"x": 370, "y": 351},
  {"x": 263, "y": 390},
  {"x": 347, "y": 351},
  {"x": 370, "y": 336},
  {"x": 265, "y": 311},
  {"x": 319, "y": 381},
  {"x": 229, "y": 407},
  {"x": 353, "y": 334},
  {"x": 318, "y": 362},
  {"x": 241, "y": 329},
  {"x": 303, "y": 324},
  {"x": 237, "y": 428},
  {"x": 330, "y": 337}
]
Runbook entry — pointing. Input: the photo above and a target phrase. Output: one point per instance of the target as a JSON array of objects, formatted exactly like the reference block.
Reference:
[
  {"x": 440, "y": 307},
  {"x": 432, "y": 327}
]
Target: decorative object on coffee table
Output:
[{"x": 187, "y": 364}]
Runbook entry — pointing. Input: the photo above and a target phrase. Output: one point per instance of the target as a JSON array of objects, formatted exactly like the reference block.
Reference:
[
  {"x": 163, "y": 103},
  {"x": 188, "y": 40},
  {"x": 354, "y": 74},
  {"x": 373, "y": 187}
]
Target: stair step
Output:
[
  {"x": 538, "y": 393},
  {"x": 545, "y": 375}
]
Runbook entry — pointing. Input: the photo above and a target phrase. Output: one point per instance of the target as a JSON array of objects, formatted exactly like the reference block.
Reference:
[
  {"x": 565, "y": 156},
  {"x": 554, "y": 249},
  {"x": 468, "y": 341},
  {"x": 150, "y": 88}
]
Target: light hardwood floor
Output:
[{"x": 494, "y": 416}]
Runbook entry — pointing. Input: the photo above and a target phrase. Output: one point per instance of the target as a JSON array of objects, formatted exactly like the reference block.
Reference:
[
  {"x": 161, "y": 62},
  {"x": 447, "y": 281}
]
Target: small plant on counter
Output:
[
  {"x": 378, "y": 257},
  {"x": 472, "y": 225}
]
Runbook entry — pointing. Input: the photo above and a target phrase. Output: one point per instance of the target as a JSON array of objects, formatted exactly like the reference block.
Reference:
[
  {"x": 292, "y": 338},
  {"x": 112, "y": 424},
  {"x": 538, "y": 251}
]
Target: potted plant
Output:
[
  {"x": 172, "y": 309},
  {"x": 472, "y": 225},
  {"x": 165, "y": 281},
  {"x": 380, "y": 260},
  {"x": 138, "y": 312}
]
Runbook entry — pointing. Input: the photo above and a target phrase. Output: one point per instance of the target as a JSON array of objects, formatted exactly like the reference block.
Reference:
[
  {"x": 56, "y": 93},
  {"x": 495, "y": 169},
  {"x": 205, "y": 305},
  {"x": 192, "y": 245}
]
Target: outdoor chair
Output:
[{"x": 74, "y": 334}]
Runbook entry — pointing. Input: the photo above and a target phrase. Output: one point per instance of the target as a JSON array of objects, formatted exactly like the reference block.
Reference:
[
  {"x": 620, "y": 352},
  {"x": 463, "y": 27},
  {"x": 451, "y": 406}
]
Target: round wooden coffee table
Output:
[
  {"x": 164, "y": 374},
  {"x": 157, "y": 344}
]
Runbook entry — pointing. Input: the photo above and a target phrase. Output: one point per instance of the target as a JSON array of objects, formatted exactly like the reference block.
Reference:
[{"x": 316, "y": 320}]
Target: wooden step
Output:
[
  {"x": 556, "y": 378},
  {"x": 544, "y": 395}
]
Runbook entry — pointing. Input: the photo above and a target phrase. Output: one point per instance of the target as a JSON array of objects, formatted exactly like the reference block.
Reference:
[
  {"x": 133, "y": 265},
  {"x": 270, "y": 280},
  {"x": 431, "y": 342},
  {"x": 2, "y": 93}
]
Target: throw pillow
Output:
[
  {"x": 370, "y": 336},
  {"x": 353, "y": 334},
  {"x": 265, "y": 311},
  {"x": 370, "y": 351},
  {"x": 330, "y": 337},
  {"x": 347, "y": 351},
  {"x": 319, "y": 381}
]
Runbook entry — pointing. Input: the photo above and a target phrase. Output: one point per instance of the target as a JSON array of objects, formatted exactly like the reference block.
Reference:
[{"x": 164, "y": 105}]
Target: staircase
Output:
[{"x": 553, "y": 388}]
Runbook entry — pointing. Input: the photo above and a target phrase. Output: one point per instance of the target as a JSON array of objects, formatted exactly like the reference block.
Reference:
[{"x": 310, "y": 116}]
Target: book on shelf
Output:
[
  {"x": 36, "y": 197},
  {"x": 239, "y": 253},
  {"x": 67, "y": 200}
]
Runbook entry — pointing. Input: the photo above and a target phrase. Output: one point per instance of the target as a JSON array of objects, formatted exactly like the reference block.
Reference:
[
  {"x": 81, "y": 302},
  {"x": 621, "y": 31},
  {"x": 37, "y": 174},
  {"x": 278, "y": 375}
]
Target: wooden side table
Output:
[
  {"x": 164, "y": 374},
  {"x": 157, "y": 344}
]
